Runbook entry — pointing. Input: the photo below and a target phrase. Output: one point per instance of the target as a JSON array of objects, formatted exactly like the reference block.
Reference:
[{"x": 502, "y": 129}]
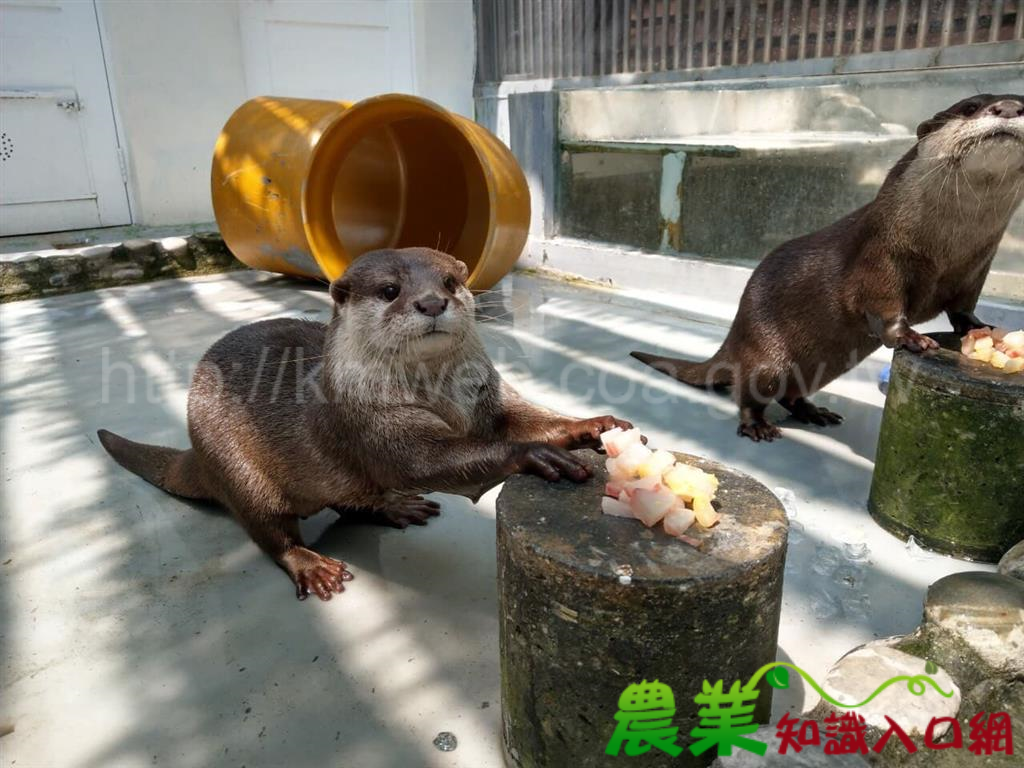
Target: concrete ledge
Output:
[
  {"x": 713, "y": 285},
  {"x": 32, "y": 274}
]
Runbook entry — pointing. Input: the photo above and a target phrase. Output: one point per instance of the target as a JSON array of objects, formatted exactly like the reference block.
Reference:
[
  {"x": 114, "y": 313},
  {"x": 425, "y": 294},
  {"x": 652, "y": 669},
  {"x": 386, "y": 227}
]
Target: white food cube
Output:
[
  {"x": 1014, "y": 340},
  {"x": 615, "y": 508},
  {"x": 617, "y": 440},
  {"x": 678, "y": 520},
  {"x": 649, "y": 483},
  {"x": 704, "y": 512},
  {"x": 650, "y": 507},
  {"x": 982, "y": 355},
  {"x": 657, "y": 464},
  {"x": 632, "y": 457},
  {"x": 608, "y": 441},
  {"x": 690, "y": 481},
  {"x": 617, "y": 474}
]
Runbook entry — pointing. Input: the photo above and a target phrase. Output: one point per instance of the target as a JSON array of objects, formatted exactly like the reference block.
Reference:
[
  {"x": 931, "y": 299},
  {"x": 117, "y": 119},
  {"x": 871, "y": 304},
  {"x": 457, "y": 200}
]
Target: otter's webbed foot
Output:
[
  {"x": 754, "y": 425},
  {"x": 806, "y": 412},
  {"x": 916, "y": 342},
  {"x": 412, "y": 510},
  {"x": 759, "y": 430},
  {"x": 586, "y": 433},
  {"x": 396, "y": 513},
  {"x": 963, "y": 322},
  {"x": 551, "y": 462},
  {"x": 896, "y": 333},
  {"x": 313, "y": 573}
]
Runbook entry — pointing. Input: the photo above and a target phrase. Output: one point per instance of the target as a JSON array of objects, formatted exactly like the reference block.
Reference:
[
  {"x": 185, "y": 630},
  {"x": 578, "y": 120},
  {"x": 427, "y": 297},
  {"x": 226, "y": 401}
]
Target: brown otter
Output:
[
  {"x": 393, "y": 398},
  {"x": 818, "y": 305}
]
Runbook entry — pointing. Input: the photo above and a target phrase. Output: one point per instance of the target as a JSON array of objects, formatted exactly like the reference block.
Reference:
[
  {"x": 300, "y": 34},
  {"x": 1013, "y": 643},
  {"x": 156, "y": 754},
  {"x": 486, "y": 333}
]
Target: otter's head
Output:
[
  {"x": 411, "y": 304},
  {"x": 983, "y": 135}
]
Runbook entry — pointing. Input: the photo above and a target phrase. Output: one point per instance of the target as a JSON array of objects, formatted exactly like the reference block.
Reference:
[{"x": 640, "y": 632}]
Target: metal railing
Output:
[{"x": 528, "y": 39}]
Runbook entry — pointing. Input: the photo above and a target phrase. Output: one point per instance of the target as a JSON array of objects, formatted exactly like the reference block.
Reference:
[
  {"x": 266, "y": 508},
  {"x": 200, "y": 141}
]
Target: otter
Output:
[
  {"x": 817, "y": 305},
  {"x": 394, "y": 398}
]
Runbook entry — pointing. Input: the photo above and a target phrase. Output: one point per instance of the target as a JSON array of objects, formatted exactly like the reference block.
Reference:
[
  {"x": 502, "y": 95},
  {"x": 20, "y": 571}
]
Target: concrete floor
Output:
[{"x": 137, "y": 629}]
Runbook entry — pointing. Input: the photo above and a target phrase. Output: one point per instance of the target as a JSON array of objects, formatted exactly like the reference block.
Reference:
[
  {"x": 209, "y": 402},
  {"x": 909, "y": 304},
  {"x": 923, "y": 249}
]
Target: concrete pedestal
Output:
[
  {"x": 951, "y": 454},
  {"x": 590, "y": 604}
]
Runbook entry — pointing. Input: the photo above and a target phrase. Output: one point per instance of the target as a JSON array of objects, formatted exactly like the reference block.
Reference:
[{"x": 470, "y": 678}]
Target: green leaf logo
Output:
[
  {"x": 930, "y": 667},
  {"x": 778, "y": 677}
]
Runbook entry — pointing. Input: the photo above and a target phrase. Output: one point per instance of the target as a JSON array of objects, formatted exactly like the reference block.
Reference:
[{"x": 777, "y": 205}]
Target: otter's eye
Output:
[
  {"x": 390, "y": 292},
  {"x": 451, "y": 284},
  {"x": 969, "y": 109}
]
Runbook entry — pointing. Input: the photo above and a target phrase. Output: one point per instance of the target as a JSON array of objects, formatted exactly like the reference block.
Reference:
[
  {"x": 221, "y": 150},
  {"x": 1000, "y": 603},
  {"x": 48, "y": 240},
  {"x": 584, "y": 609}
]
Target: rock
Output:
[
  {"x": 97, "y": 257},
  {"x": 95, "y": 251},
  {"x": 210, "y": 250},
  {"x": 12, "y": 288},
  {"x": 139, "y": 249},
  {"x": 809, "y": 757},
  {"x": 856, "y": 676},
  {"x": 989, "y": 696},
  {"x": 127, "y": 274},
  {"x": 27, "y": 261},
  {"x": 592, "y": 604},
  {"x": 178, "y": 251},
  {"x": 985, "y": 611},
  {"x": 1012, "y": 563}
]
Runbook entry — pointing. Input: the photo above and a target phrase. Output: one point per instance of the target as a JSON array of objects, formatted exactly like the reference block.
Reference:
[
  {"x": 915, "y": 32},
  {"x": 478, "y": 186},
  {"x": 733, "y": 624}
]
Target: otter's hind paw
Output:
[
  {"x": 807, "y": 412},
  {"x": 316, "y": 574}
]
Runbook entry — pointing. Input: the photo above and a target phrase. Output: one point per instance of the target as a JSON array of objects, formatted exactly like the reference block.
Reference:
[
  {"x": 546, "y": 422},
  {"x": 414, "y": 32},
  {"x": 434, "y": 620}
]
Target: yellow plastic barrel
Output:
[{"x": 303, "y": 186}]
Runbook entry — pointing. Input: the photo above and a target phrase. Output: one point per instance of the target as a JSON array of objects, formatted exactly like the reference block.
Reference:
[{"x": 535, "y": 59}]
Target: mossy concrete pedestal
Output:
[
  {"x": 590, "y": 604},
  {"x": 951, "y": 454}
]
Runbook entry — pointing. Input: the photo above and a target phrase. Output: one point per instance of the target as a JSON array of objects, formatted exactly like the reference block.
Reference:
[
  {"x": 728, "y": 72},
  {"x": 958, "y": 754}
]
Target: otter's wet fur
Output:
[
  {"x": 818, "y": 305},
  {"x": 393, "y": 398}
]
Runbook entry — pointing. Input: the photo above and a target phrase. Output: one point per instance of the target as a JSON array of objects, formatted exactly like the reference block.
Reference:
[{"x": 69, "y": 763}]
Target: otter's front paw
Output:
[
  {"x": 586, "y": 433},
  {"x": 965, "y": 322},
  {"x": 552, "y": 463},
  {"x": 759, "y": 431},
  {"x": 313, "y": 573},
  {"x": 916, "y": 342}
]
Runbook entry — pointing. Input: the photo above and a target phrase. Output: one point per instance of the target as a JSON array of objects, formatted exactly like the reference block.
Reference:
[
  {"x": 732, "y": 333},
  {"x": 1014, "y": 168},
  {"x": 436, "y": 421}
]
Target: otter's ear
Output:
[
  {"x": 340, "y": 291},
  {"x": 462, "y": 270},
  {"x": 932, "y": 125},
  {"x": 937, "y": 121}
]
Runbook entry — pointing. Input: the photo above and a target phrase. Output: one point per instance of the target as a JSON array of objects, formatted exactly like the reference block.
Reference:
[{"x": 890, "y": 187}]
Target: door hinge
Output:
[{"x": 123, "y": 164}]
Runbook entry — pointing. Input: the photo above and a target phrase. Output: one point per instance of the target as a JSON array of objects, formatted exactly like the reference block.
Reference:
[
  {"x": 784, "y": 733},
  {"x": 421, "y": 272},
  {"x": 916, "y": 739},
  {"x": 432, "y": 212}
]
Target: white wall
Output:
[
  {"x": 445, "y": 41},
  {"x": 176, "y": 75},
  {"x": 177, "y": 72}
]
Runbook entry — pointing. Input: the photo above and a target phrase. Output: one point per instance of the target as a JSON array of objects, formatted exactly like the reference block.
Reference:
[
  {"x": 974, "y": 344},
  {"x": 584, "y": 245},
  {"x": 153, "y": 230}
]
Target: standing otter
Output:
[
  {"x": 818, "y": 305},
  {"x": 394, "y": 397}
]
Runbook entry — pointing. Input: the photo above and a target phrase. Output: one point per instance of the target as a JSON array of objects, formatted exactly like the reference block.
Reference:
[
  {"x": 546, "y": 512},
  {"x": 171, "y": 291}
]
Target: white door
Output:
[
  {"x": 59, "y": 165},
  {"x": 343, "y": 51}
]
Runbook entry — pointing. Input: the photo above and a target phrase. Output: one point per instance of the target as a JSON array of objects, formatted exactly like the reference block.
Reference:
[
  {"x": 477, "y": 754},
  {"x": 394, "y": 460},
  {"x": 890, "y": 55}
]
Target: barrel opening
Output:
[{"x": 409, "y": 181}]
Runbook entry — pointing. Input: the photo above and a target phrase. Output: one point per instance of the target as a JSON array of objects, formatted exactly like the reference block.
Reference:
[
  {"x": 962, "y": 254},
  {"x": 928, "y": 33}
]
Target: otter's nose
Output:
[
  {"x": 431, "y": 306},
  {"x": 1006, "y": 108}
]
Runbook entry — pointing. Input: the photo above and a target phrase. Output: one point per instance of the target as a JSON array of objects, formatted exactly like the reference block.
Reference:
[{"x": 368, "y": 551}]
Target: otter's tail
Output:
[
  {"x": 711, "y": 374},
  {"x": 169, "y": 469}
]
